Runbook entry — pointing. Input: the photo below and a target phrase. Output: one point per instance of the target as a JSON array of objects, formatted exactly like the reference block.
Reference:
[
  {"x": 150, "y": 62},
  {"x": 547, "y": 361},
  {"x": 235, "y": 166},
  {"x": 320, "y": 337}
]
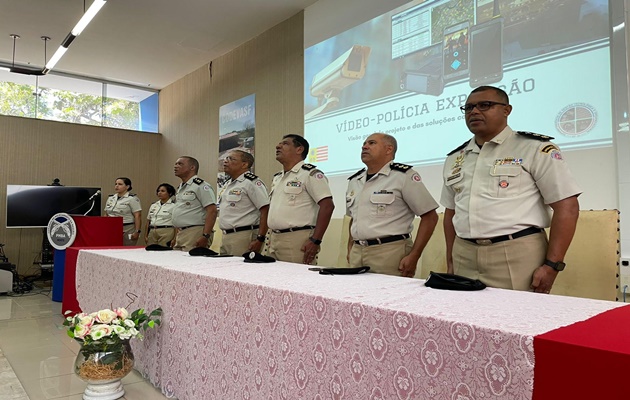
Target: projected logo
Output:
[
  {"x": 61, "y": 231},
  {"x": 576, "y": 119}
]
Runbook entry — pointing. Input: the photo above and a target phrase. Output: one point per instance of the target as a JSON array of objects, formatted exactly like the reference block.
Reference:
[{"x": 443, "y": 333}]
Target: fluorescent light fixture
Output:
[
  {"x": 87, "y": 17},
  {"x": 76, "y": 31},
  {"x": 53, "y": 60}
]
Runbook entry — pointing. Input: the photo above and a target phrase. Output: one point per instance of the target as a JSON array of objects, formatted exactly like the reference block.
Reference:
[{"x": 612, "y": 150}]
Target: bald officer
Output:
[
  {"x": 243, "y": 206},
  {"x": 499, "y": 189},
  {"x": 195, "y": 210},
  {"x": 300, "y": 204},
  {"x": 383, "y": 201}
]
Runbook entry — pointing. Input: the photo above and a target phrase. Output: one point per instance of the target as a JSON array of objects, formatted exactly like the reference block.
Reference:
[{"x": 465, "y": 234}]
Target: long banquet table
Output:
[{"x": 233, "y": 330}]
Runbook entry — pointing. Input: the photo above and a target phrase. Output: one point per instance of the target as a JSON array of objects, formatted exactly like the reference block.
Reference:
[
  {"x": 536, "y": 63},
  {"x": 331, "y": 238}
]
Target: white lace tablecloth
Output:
[{"x": 232, "y": 330}]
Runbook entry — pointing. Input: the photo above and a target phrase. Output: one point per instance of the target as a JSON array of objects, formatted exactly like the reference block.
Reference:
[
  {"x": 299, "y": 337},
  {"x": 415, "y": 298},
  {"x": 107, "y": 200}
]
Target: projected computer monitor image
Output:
[{"x": 550, "y": 57}]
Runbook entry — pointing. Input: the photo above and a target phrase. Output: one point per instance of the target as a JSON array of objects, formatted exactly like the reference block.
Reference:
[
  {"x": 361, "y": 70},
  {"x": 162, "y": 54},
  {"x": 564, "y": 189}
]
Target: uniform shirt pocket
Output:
[
  {"x": 292, "y": 193},
  {"x": 505, "y": 181},
  {"x": 381, "y": 204},
  {"x": 233, "y": 197}
]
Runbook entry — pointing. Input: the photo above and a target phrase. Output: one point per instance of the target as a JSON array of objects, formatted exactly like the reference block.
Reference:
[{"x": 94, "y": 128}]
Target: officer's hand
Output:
[
  {"x": 255, "y": 245},
  {"x": 310, "y": 250},
  {"x": 449, "y": 266},
  {"x": 201, "y": 242},
  {"x": 543, "y": 279},
  {"x": 407, "y": 266}
]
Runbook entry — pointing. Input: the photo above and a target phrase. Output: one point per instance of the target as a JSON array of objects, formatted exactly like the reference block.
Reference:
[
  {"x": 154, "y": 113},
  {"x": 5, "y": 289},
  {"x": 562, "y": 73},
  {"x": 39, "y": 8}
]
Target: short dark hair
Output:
[
  {"x": 504, "y": 97},
  {"x": 389, "y": 139},
  {"x": 127, "y": 181},
  {"x": 299, "y": 141},
  {"x": 246, "y": 157},
  {"x": 169, "y": 188},
  {"x": 193, "y": 161}
]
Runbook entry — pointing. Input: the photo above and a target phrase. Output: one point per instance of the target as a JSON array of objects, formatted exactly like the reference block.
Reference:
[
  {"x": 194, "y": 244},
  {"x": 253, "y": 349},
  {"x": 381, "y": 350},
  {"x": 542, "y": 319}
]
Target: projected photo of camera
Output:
[
  {"x": 422, "y": 83},
  {"x": 331, "y": 80}
]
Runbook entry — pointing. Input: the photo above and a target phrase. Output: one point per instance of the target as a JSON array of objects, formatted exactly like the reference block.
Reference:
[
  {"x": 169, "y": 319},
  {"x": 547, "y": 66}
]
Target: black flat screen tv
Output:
[{"x": 33, "y": 206}]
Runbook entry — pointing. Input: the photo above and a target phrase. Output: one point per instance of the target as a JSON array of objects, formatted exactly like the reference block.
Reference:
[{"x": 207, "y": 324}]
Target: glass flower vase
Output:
[{"x": 103, "y": 370}]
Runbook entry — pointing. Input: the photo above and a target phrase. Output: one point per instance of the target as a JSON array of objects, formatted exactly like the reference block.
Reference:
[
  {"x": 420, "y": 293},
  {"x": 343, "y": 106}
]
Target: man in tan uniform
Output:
[
  {"x": 243, "y": 206},
  {"x": 383, "y": 202},
  {"x": 195, "y": 209},
  {"x": 498, "y": 190},
  {"x": 300, "y": 204}
]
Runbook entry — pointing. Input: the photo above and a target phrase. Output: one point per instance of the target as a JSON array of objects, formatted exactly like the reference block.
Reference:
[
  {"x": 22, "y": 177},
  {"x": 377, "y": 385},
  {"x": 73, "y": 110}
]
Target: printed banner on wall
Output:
[{"x": 237, "y": 123}]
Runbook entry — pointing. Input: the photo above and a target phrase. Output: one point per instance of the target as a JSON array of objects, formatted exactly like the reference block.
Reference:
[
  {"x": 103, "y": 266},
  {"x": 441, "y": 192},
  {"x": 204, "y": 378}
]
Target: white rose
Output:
[
  {"x": 129, "y": 323},
  {"x": 105, "y": 316},
  {"x": 100, "y": 331},
  {"x": 122, "y": 313},
  {"x": 118, "y": 330},
  {"x": 80, "y": 331},
  {"x": 86, "y": 320}
]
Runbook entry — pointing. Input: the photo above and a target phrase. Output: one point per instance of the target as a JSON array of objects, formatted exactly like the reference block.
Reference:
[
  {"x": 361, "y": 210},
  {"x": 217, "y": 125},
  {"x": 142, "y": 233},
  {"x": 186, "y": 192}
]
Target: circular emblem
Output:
[
  {"x": 416, "y": 178},
  {"x": 556, "y": 154},
  {"x": 576, "y": 119},
  {"x": 258, "y": 183},
  {"x": 61, "y": 231},
  {"x": 319, "y": 175},
  {"x": 504, "y": 184},
  {"x": 206, "y": 187}
]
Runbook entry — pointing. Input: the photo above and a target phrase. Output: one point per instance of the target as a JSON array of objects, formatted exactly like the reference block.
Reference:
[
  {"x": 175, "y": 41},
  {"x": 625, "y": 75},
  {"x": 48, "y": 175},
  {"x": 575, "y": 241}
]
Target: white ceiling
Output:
[{"x": 149, "y": 43}]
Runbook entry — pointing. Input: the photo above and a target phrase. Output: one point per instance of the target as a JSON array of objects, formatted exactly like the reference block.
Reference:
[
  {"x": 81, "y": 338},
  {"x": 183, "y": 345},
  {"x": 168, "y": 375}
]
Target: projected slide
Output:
[{"x": 407, "y": 73}]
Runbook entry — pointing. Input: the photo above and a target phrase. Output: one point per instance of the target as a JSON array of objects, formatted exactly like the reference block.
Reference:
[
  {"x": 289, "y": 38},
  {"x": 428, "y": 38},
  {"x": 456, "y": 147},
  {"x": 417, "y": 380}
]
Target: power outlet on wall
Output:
[{"x": 624, "y": 275}]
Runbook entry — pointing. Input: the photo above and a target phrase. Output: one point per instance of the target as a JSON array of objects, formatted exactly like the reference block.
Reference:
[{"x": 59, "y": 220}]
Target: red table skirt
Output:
[{"x": 585, "y": 360}]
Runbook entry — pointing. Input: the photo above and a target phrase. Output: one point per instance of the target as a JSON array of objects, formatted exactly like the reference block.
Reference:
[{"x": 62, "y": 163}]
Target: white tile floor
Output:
[{"x": 34, "y": 347}]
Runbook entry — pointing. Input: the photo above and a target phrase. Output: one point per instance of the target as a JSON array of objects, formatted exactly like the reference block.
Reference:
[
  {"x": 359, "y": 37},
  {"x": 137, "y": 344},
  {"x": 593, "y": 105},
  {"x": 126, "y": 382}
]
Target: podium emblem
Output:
[{"x": 61, "y": 231}]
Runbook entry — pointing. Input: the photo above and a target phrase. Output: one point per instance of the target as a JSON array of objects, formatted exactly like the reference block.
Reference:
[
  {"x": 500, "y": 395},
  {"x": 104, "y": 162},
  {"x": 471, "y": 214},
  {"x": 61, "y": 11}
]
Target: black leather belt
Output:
[
  {"x": 240, "y": 229},
  {"x": 160, "y": 226},
  {"x": 383, "y": 240},
  {"x": 299, "y": 228},
  {"x": 186, "y": 227},
  {"x": 129, "y": 223},
  {"x": 525, "y": 232}
]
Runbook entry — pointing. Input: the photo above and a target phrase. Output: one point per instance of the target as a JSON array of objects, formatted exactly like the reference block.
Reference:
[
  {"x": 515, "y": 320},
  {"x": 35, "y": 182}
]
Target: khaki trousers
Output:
[
  {"x": 508, "y": 265},
  {"x": 129, "y": 230},
  {"x": 161, "y": 236},
  {"x": 237, "y": 243},
  {"x": 186, "y": 239},
  {"x": 381, "y": 258},
  {"x": 287, "y": 246}
]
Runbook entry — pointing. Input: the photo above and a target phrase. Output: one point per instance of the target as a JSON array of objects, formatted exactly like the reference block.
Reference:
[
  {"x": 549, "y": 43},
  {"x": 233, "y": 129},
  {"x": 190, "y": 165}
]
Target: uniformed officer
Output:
[
  {"x": 195, "y": 210},
  {"x": 498, "y": 188},
  {"x": 300, "y": 204},
  {"x": 383, "y": 201},
  {"x": 243, "y": 206},
  {"x": 126, "y": 205},
  {"x": 160, "y": 228}
]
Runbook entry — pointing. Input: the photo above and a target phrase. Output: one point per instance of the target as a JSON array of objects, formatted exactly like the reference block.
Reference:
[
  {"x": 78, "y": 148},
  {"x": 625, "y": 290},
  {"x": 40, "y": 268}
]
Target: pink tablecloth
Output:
[{"x": 233, "y": 330}]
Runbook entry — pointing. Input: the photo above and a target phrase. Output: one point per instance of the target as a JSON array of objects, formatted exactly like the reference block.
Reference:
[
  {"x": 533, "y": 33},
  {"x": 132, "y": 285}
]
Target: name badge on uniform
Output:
[{"x": 294, "y": 183}]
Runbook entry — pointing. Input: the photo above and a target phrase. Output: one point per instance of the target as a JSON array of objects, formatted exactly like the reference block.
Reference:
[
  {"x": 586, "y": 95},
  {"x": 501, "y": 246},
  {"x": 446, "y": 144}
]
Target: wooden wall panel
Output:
[
  {"x": 269, "y": 66},
  {"x": 34, "y": 152}
]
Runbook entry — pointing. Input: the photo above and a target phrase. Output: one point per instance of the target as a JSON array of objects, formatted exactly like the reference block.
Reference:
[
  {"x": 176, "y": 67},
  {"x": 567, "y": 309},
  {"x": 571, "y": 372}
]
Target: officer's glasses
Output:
[{"x": 481, "y": 106}]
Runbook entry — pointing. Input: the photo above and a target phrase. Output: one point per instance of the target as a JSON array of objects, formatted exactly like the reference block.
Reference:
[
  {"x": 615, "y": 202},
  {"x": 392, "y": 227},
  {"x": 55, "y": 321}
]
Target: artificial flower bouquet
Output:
[{"x": 104, "y": 336}]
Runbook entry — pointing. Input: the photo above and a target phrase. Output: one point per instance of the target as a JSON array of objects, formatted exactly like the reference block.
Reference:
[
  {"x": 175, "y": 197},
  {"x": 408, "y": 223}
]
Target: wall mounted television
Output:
[{"x": 32, "y": 206}]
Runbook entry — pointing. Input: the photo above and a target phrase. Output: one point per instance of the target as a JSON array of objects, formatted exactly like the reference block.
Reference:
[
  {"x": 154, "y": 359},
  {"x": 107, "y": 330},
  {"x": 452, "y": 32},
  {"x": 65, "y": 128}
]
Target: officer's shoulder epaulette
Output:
[
  {"x": 400, "y": 167},
  {"x": 308, "y": 167},
  {"x": 278, "y": 173},
  {"x": 198, "y": 181},
  {"x": 461, "y": 146},
  {"x": 536, "y": 136},
  {"x": 251, "y": 176},
  {"x": 132, "y": 194},
  {"x": 359, "y": 172}
]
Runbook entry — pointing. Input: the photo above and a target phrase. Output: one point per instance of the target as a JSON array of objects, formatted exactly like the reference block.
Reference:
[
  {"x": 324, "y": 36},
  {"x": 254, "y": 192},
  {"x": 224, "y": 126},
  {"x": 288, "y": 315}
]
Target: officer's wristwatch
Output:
[
  {"x": 558, "y": 265},
  {"x": 316, "y": 241},
  {"x": 261, "y": 238},
  {"x": 206, "y": 235}
]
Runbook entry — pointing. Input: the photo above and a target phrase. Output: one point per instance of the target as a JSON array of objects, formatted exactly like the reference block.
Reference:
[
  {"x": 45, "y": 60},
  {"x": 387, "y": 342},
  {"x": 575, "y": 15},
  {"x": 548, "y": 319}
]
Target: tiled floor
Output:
[{"x": 34, "y": 347}]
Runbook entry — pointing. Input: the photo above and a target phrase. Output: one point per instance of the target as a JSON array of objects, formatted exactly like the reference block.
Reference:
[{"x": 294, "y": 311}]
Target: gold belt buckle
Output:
[{"x": 363, "y": 242}]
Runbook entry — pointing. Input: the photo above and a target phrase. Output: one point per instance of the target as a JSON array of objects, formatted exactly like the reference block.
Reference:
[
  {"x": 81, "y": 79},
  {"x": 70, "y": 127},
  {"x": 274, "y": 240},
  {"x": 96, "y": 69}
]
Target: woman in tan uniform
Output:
[
  {"x": 126, "y": 205},
  {"x": 160, "y": 228}
]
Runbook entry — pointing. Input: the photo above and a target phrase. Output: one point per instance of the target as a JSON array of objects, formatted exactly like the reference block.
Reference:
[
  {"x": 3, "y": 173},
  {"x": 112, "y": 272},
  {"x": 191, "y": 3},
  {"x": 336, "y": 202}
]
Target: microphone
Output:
[{"x": 97, "y": 193}]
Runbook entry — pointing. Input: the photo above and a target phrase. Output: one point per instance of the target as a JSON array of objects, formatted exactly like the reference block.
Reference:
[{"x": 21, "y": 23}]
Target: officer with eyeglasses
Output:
[{"x": 499, "y": 188}]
